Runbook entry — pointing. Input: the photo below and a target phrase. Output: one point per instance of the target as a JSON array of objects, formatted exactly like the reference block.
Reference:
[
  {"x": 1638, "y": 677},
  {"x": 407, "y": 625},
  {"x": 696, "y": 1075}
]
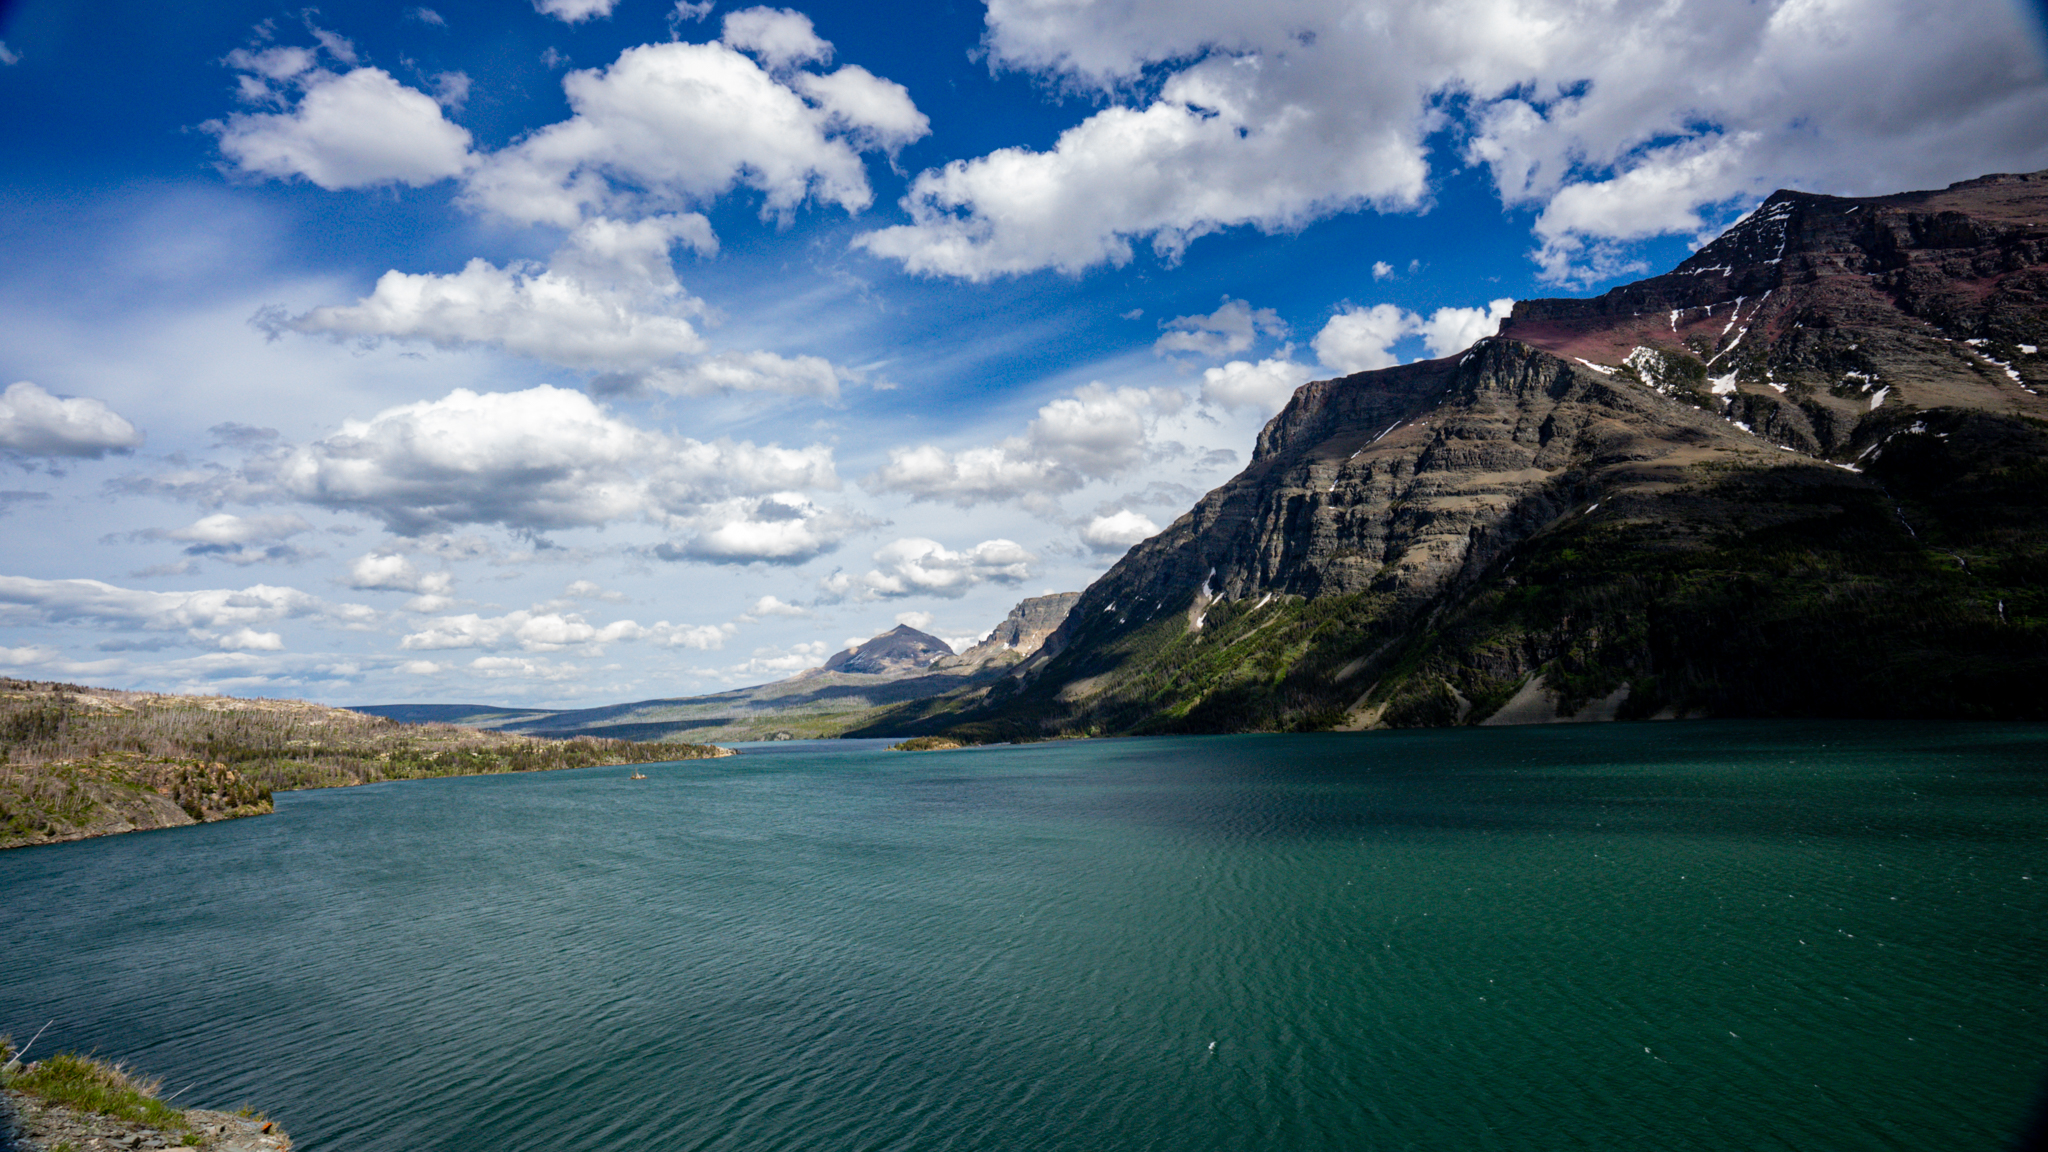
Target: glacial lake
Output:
[{"x": 1709, "y": 935}]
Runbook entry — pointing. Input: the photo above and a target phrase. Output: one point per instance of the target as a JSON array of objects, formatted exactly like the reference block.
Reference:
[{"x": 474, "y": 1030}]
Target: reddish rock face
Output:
[
  {"x": 1815, "y": 310},
  {"x": 1809, "y": 325},
  {"x": 1869, "y": 370}
]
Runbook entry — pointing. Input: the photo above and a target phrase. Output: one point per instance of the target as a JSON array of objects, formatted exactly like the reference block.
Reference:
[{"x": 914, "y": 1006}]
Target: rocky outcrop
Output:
[
  {"x": 29, "y": 1124},
  {"x": 1021, "y": 634},
  {"x": 1400, "y": 480},
  {"x": 1710, "y": 492},
  {"x": 72, "y": 1102},
  {"x": 117, "y": 794}
]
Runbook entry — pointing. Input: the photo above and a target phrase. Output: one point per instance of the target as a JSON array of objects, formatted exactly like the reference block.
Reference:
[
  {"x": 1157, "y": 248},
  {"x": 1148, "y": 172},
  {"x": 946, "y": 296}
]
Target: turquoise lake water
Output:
[{"x": 1716, "y": 935}]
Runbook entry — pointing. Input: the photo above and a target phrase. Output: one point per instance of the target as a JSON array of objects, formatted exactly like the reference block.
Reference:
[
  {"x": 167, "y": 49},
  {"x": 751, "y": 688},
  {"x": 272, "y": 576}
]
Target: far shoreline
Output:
[{"x": 82, "y": 763}]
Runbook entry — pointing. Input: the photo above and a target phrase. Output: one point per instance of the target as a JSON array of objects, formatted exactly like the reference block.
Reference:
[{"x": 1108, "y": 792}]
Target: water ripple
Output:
[{"x": 1638, "y": 937}]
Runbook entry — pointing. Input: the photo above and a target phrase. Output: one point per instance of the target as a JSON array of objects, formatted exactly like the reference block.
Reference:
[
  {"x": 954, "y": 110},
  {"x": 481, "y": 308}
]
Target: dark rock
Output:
[
  {"x": 1021, "y": 634},
  {"x": 1732, "y": 489}
]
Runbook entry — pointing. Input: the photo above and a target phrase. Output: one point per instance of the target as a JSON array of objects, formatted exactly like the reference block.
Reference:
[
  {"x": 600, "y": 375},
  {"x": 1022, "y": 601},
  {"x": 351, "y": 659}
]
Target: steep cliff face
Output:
[
  {"x": 1022, "y": 633},
  {"x": 1397, "y": 480},
  {"x": 1815, "y": 311},
  {"x": 1803, "y": 473}
]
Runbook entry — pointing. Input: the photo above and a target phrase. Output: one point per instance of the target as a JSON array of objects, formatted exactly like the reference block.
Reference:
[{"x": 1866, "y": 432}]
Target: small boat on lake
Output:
[{"x": 637, "y": 775}]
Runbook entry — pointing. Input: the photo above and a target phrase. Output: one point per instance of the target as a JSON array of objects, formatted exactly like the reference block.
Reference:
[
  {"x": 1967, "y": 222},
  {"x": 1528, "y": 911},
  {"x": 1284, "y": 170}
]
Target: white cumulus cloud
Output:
[
  {"x": 573, "y": 11},
  {"x": 1264, "y": 386},
  {"x": 750, "y": 372},
  {"x": 528, "y": 630},
  {"x": 1632, "y": 121},
  {"x": 222, "y": 617},
  {"x": 703, "y": 637},
  {"x": 527, "y": 312},
  {"x": 917, "y": 566},
  {"x": 393, "y": 571},
  {"x": 1094, "y": 433},
  {"x": 696, "y": 471},
  {"x": 540, "y": 459},
  {"x": 1449, "y": 330},
  {"x": 971, "y": 476},
  {"x": 524, "y": 668},
  {"x": 690, "y": 122},
  {"x": 772, "y": 606},
  {"x": 250, "y": 640},
  {"x": 226, "y": 529},
  {"x": 1361, "y": 339},
  {"x": 353, "y": 130},
  {"x": 874, "y": 113},
  {"x": 591, "y": 590},
  {"x": 1117, "y": 531},
  {"x": 782, "y": 661},
  {"x": 1354, "y": 340},
  {"x": 1231, "y": 328},
  {"x": 779, "y": 36},
  {"x": 1217, "y": 149},
  {"x": 35, "y": 423},
  {"x": 237, "y": 539},
  {"x": 779, "y": 528},
  {"x": 609, "y": 301}
]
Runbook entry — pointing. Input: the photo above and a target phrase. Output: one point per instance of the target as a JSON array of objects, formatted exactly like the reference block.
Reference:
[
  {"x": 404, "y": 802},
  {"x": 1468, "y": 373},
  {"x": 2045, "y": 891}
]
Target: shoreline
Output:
[
  {"x": 29, "y": 1123},
  {"x": 124, "y": 809},
  {"x": 73, "y": 1103},
  {"x": 77, "y": 763}
]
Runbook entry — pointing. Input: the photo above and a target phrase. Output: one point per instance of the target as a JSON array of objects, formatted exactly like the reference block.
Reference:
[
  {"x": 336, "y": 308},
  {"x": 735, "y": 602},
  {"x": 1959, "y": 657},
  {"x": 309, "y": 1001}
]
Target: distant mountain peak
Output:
[{"x": 900, "y": 649}]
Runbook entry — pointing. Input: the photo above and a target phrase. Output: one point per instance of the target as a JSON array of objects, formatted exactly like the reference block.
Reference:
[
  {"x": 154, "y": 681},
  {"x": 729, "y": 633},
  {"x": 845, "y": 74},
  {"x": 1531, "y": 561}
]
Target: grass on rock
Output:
[{"x": 89, "y": 1085}]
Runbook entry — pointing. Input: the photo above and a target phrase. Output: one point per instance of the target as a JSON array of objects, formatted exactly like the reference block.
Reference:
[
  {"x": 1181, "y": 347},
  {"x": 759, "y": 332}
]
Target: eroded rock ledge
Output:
[{"x": 30, "y": 1124}]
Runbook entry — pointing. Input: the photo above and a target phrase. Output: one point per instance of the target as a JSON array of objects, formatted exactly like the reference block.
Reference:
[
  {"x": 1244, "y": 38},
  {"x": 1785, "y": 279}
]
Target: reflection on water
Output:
[{"x": 1667, "y": 936}]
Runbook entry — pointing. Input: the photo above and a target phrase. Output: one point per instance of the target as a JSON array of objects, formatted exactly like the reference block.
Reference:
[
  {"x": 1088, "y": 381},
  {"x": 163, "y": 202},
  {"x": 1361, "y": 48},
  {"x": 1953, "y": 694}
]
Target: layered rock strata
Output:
[
  {"x": 1020, "y": 635},
  {"x": 1803, "y": 469}
]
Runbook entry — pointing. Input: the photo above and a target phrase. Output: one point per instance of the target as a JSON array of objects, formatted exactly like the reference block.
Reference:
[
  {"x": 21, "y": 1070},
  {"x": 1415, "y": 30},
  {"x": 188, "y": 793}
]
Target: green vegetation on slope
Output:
[
  {"x": 80, "y": 761},
  {"x": 1809, "y": 595},
  {"x": 927, "y": 744},
  {"x": 1919, "y": 588},
  {"x": 72, "y": 1101},
  {"x": 89, "y": 1085},
  {"x": 1269, "y": 664}
]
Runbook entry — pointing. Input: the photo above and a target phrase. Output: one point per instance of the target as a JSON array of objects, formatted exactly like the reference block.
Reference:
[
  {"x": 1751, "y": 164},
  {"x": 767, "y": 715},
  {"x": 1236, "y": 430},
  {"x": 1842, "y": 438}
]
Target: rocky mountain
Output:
[
  {"x": 900, "y": 649},
  {"x": 1026, "y": 629},
  {"x": 1803, "y": 473},
  {"x": 900, "y": 665}
]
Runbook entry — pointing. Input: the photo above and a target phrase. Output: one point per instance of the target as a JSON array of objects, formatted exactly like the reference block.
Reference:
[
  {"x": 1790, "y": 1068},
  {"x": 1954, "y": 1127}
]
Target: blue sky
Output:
[{"x": 571, "y": 351}]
